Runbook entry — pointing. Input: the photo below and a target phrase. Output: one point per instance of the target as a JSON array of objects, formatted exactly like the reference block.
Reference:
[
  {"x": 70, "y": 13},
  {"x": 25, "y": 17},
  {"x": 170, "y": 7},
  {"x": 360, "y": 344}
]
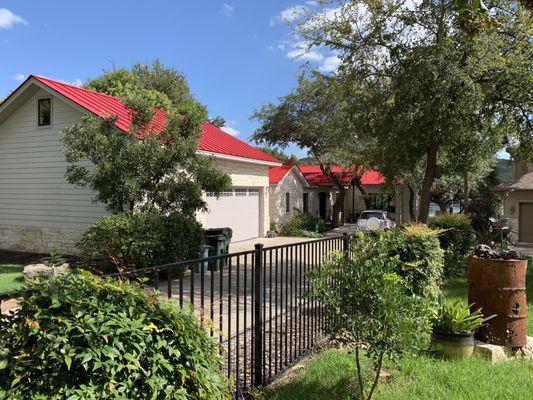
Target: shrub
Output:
[
  {"x": 141, "y": 240},
  {"x": 457, "y": 240},
  {"x": 369, "y": 305},
  {"x": 304, "y": 225},
  {"x": 422, "y": 259},
  {"x": 457, "y": 319},
  {"x": 81, "y": 337}
]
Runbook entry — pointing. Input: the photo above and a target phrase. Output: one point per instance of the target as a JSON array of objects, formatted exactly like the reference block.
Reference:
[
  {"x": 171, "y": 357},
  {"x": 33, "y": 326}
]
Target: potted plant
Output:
[{"x": 453, "y": 329}]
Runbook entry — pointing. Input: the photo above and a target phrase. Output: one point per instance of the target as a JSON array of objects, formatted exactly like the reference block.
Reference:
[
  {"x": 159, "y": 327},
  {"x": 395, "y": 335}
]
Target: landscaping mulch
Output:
[{"x": 25, "y": 258}]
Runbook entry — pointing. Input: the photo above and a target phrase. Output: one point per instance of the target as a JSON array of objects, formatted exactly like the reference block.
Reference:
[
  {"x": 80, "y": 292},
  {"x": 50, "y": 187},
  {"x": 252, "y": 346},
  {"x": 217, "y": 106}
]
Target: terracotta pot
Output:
[
  {"x": 453, "y": 345},
  {"x": 499, "y": 287}
]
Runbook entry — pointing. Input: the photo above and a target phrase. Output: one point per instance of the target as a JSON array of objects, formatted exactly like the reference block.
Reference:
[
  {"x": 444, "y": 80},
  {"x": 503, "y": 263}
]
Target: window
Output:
[
  {"x": 253, "y": 192},
  {"x": 287, "y": 202},
  {"x": 306, "y": 203},
  {"x": 380, "y": 201},
  {"x": 227, "y": 193},
  {"x": 44, "y": 112},
  {"x": 240, "y": 192}
]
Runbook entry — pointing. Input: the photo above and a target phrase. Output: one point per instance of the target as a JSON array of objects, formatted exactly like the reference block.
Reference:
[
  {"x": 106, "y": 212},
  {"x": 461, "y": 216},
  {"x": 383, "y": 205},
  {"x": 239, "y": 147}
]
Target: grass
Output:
[
  {"x": 331, "y": 373},
  {"x": 10, "y": 277}
]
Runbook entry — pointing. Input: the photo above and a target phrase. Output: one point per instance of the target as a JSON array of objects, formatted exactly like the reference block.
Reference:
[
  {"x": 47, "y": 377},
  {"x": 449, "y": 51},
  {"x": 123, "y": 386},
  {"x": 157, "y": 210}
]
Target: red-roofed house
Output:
[
  {"x": 40, "y": 210},
  {"x": 289, "y": 191},
  {"x": 305, "y": 188}
]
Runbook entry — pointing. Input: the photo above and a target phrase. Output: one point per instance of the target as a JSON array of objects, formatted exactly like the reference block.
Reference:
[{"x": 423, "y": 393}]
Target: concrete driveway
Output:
[{"x": 245, "y": 245}]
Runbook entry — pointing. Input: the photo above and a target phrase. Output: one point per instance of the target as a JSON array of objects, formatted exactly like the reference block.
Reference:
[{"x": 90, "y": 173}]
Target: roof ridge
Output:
[{"x": 75, "y": 87}]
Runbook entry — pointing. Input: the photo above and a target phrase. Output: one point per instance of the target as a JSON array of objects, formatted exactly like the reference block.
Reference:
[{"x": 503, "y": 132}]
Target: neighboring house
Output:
[
  {"x": 518, "y": 203},
  {"x": 40, "y": 210},
  {"x": 316, "y": 193},
  {"x": 289, "y": 193}
]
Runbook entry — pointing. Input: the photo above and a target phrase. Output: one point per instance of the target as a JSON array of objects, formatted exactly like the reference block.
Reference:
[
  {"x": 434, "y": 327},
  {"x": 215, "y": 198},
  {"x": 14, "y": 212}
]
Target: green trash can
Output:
[{"x": 219, "y": 240}]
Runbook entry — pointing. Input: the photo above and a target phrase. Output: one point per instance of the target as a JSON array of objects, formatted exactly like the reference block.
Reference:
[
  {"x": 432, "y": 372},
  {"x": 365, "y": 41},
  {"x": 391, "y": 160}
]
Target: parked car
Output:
[{"x": 371, "y": 220}]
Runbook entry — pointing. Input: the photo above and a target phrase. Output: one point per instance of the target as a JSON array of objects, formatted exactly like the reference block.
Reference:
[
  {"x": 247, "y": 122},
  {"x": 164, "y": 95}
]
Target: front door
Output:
[
  {"x": 322, "y": 196},
  {"x": 525, "y": 224}
]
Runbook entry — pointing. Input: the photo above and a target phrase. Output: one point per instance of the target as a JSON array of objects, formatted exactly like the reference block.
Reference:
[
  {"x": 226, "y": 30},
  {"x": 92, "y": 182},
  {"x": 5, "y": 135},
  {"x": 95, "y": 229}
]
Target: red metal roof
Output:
[
  {"x": 313, "y": 174},
  {"x": 276, "y": 174},
  {"x": 213, "y": 139}
]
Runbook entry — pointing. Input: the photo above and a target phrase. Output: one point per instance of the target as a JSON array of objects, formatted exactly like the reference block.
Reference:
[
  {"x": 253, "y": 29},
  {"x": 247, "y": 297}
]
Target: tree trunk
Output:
[
  {"x": 443, "y": 205},
  {"x": 356, "y": 181},
  {"x": 429, "y": 178},
  {"x": 338, "y": 207},
  {"x": 376, "y": 378},
  {"x": 412, "y": 214},
  {"x": 465, "y": 189}
]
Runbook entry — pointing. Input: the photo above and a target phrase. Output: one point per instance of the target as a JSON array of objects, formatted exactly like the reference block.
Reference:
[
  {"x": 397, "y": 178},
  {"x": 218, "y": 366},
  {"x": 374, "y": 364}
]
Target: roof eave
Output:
[{"x": 240, "y": 159}]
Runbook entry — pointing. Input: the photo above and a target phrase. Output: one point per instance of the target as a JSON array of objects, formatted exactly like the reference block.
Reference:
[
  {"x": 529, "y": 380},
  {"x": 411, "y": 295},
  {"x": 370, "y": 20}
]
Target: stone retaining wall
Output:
[{"x": 39, "y": 240}]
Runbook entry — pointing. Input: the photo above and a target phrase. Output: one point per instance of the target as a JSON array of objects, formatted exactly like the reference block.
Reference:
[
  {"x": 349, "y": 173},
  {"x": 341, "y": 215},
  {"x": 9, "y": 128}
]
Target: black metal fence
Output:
[{"x": 254, "y": 303}]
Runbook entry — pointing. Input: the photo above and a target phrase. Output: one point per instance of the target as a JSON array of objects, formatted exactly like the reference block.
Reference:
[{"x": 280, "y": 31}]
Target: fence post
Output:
[
  {"x": 346, "y": 244},
  {"x": 258, "y": 315}
]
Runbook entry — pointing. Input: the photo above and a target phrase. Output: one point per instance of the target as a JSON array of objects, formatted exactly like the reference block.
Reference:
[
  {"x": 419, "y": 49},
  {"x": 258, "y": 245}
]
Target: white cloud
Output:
[
  {"x": 77, "y": 82},
  {"x": 312, "y": 3},
  {"x": 330, "y": 64},
  {"x": 8, "y": 19},
  {"x": 227, "y": 10},
  {"x": 19, "y": 77},
  {"x": 230, "y": 131},
  {"x": 290, "y": 14},
  {"x": 301, "y": 51},
  {"x": 293, "y": 13}
]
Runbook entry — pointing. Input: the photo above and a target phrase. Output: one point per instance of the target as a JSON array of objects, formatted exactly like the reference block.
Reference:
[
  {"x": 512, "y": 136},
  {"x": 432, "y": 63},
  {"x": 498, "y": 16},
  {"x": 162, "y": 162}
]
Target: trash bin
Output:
[
  {"x": 202, "y": 266},
  {"x": 219, "y": 240}
]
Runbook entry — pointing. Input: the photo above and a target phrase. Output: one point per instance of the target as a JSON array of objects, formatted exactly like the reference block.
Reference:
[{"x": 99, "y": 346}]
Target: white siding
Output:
[{"x": 33, "y": 190}]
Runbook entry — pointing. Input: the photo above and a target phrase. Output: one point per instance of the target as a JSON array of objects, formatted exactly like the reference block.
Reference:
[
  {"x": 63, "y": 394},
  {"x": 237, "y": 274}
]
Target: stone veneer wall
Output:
[
  {"x": 39, "y": 240},
  {"x": 292, "y": 185}
]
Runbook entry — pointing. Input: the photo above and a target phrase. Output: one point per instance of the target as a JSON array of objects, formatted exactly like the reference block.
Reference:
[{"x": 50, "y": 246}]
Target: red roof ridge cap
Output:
[{"x": 74, "y": 86}]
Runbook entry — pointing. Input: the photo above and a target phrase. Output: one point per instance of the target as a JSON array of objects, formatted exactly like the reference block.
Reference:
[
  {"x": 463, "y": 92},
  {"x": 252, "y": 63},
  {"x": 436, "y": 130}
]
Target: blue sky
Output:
[{"x": 237, "y": 55}]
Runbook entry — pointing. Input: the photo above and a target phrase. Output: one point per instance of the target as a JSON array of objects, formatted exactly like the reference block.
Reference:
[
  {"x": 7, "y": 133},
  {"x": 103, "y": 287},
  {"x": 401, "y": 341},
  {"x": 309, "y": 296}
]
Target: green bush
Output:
[
  {"x": 304, "y": 225},
  {"x": 81, "y": 337},
  {"x": 422, "y": 259},
  {"x": 457, "y": 240},
  {"x": 145, "y": 239},
  {"x": 369, "y": 305}
]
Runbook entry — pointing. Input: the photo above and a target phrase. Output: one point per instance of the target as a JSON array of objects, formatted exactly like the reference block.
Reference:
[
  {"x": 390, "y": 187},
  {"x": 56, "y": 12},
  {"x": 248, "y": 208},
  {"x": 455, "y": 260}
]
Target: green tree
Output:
[
  {"x": 370, "y": 307},
  {"x": 162, "y": 86},
  {"x": 218, "y": 121},
  {"x": 146, "y": 169},
  {"x": 278, "y": 153},
  {"x": 312, "y": 117},
  {"x": 422, "y": 85}
]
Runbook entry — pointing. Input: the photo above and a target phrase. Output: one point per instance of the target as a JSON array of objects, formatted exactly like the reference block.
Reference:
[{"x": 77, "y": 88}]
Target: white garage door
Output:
[{"x": 237, "y": 208}]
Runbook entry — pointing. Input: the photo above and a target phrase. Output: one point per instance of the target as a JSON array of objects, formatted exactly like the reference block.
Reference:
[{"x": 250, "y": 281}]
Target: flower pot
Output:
[{"x": 453, "y": 345}]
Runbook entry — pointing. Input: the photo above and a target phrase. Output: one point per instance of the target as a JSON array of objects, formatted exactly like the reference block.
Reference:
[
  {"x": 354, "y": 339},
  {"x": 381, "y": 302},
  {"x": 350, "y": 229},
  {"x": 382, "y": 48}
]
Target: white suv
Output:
[{"x": 372, "y": 220}]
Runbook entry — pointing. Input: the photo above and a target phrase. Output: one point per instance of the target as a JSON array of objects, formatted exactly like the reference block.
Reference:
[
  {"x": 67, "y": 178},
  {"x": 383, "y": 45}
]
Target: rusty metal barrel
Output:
[{"x": 499, "y": 287}]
